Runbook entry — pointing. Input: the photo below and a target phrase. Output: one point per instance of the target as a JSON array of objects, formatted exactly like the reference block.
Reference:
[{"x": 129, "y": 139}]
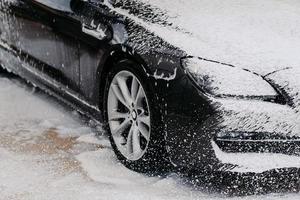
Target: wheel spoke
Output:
[
  {"x": 143, "y": 130},
  {"x": 136, "y": 142},
  {"x": 145, "y": 119},
  {"x": 134, "y": 88},
  {"x": 115, "y": 115},
  {"x": 121, "y": 127},
  {"x": 125, "y": 91},
  {"x": 129, "y": 140},
  {"x": 139, "y": 98},
  {"x": 119, "y": 95}
]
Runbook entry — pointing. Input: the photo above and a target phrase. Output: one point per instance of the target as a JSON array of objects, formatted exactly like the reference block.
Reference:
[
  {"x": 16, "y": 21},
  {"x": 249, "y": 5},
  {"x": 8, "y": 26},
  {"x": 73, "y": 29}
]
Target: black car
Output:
[{"x": 161, "y": 106}]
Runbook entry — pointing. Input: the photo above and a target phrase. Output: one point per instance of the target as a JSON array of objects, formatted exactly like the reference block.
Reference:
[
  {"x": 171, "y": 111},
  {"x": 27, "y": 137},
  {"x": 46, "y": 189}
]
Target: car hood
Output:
[{"x": 262, "y": 36}]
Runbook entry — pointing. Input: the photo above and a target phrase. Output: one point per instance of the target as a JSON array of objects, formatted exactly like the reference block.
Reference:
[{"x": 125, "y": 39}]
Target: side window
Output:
[{"x": 62, "y": 5}]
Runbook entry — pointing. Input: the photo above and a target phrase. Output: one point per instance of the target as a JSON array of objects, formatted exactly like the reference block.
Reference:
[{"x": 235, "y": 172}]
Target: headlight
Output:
[{"x": 224, "y": 80}]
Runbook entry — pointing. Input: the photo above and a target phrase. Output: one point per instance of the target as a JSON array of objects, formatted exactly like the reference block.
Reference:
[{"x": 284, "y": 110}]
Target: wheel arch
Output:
[{"x": 112, "y": 57}]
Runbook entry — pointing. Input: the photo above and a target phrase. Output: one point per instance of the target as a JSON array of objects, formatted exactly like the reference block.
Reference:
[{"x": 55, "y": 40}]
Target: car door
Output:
[
  {"x": 99, "y": 28},
  {"x": 42, "y": 30}
]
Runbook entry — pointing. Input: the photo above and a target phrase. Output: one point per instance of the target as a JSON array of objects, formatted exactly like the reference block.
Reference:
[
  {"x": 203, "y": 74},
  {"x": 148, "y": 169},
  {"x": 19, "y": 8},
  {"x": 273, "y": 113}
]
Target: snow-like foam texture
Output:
[
  {"x": 85, "y": 172},
  {"x": 22, "y": 109}
]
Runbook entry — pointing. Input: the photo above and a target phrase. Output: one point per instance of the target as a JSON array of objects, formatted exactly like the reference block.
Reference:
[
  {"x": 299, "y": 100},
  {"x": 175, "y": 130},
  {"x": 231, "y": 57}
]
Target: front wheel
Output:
[{"x": 133, "y": 120}]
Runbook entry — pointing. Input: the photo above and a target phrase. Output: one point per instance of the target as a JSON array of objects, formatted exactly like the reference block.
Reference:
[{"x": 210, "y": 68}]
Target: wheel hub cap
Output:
[{"x": 134, "y": 115}]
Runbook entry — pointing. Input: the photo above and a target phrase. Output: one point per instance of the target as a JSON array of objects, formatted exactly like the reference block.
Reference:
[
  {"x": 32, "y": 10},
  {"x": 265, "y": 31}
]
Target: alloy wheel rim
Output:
[{"x": 129, "y": 115}]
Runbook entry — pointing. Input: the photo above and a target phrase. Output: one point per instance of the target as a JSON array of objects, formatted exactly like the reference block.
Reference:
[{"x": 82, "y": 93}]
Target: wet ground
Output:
[{"x": 49, "y": 151}]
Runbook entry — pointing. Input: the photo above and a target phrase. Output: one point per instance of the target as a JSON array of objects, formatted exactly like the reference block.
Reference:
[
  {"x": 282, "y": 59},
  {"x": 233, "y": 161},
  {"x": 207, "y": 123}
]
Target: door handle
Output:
[{"x": 98, "y": 31}]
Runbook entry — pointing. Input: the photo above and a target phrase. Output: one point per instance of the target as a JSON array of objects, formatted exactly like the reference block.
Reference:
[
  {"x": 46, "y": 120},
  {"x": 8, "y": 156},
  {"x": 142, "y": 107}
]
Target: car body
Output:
[{"x": 214, "y": 104}]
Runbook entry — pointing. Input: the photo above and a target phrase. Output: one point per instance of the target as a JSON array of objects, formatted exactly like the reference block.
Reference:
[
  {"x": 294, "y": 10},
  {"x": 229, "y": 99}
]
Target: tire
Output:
[{"x": 153, "y": 158}]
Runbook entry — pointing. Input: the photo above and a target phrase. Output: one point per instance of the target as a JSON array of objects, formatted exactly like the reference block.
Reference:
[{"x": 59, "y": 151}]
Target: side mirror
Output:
[
  {"x": 98, "y": 30},
  {"x": 94, "y": 20}
]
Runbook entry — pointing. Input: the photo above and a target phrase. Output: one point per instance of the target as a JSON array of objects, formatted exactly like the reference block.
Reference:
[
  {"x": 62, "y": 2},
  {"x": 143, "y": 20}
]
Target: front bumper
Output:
[
  {"x": 254, "y": 162},
  {"x": 256, "y": 136},
  {"x": 201, "y": 131}
]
